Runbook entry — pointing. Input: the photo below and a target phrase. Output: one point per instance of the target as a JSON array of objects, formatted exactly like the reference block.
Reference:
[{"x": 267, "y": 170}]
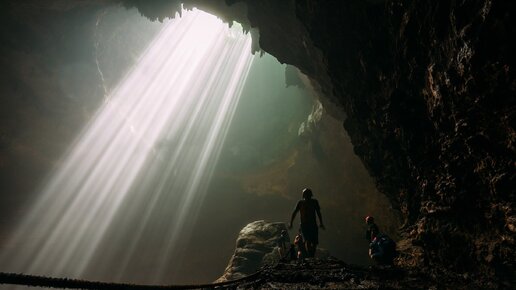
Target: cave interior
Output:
[{"x": 407, "y": 110}]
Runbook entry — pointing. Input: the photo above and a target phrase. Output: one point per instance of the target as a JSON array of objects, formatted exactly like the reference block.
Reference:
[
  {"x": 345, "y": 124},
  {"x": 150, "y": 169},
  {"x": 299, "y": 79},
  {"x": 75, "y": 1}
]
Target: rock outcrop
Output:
[{"x": 256, "y": 246}]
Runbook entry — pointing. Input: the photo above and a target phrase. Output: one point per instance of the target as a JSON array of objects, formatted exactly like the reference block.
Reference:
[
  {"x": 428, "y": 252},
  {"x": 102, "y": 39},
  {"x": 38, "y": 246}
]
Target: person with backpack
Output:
[{"x": 382, "y": 249}]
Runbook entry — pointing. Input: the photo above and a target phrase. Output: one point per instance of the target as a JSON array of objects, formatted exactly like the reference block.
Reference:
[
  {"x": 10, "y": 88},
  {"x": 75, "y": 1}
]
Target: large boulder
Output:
[{"x": 256, "y": 245}]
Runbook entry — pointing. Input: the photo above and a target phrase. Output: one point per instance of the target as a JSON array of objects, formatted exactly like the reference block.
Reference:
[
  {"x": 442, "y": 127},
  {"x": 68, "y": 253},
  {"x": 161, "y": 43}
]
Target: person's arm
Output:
[
  {"x": 318, "y": 210},
  {"x": 294, "y": 213}
]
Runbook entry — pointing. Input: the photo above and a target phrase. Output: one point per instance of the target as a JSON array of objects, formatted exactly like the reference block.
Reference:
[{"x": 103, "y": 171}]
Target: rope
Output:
[{"x": 65, "y": 283}]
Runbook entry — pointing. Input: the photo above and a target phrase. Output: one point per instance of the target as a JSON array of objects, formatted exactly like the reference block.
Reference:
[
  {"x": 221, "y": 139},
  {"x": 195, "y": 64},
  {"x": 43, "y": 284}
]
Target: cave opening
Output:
[{"x": 267, "y": 138}]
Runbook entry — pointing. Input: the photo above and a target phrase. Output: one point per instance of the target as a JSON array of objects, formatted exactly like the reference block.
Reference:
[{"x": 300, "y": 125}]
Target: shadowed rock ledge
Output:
[{"x": 256, "y": 264}]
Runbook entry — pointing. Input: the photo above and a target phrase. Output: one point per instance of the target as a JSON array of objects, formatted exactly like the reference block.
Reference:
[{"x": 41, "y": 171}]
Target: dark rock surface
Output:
[
  {"x": 256, "y": 264},
  {"x": 429, "y": 93},
  {"x": 334, "y": 274}
]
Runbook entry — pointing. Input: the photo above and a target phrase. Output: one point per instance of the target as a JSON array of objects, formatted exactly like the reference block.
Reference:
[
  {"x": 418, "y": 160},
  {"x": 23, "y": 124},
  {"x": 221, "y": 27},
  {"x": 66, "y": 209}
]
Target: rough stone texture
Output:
[
  {"x": 429, "y": 95},
  {"x": 335, "y": 274},
  {"x": 256, "y": 245}
]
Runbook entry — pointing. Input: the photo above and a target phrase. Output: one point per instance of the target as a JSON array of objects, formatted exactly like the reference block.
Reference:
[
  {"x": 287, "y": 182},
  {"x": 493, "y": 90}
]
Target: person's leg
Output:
[
  {"x": 310, "y": 247},
  {"x": 310, "y": 233}
]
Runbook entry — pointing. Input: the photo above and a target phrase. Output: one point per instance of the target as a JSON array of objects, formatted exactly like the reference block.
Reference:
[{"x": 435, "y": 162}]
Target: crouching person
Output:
[{"x": 382, "y": 250}]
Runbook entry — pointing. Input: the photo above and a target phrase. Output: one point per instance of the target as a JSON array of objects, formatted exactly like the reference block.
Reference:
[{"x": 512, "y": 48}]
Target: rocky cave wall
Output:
[
  {"x": 427, "y": 91},
  {"x": 429, "y": 95}
]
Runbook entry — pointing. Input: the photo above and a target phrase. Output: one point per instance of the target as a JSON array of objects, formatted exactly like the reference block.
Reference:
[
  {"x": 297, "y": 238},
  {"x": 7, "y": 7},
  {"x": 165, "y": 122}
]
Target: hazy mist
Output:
[{"x": 280, "y": 140}]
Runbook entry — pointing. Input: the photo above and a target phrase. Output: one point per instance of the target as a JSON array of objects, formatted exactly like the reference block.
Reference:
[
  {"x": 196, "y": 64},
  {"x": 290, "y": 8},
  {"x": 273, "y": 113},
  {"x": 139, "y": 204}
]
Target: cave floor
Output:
[
  {"x": 307, "y": 274},
  {"x": 335, "y": 274}
]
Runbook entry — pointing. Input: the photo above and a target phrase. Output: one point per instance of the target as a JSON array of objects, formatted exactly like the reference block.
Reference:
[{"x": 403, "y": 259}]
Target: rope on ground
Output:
[{"x": 65, "y": 283}]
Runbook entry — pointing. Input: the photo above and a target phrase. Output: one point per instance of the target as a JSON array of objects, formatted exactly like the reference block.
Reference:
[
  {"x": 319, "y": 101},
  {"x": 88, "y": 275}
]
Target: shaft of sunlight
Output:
[{"x": 140, "y": 169}]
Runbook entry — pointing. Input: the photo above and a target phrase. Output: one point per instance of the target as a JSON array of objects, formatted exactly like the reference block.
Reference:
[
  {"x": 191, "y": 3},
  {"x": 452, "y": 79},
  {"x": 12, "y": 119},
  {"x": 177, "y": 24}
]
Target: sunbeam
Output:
[{"x": 139, "y": 171}]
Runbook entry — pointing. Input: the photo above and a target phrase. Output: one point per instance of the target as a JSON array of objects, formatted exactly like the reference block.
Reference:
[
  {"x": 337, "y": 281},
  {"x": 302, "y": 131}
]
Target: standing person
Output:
[
  {"x": 372, "y": 229},
  {"x": 308, "y": 208}
]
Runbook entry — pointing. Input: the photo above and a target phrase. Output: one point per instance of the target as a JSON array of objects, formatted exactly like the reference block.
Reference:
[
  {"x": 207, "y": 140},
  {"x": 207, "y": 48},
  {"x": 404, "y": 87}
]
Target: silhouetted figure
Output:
[
  {"x": 308, "y": 208},
  {"x": 284, "y": 244},
  {"x": 299, "y": 243},
  {"x": 372, "y": 229},
  {"x": 382, "y": 249}
]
